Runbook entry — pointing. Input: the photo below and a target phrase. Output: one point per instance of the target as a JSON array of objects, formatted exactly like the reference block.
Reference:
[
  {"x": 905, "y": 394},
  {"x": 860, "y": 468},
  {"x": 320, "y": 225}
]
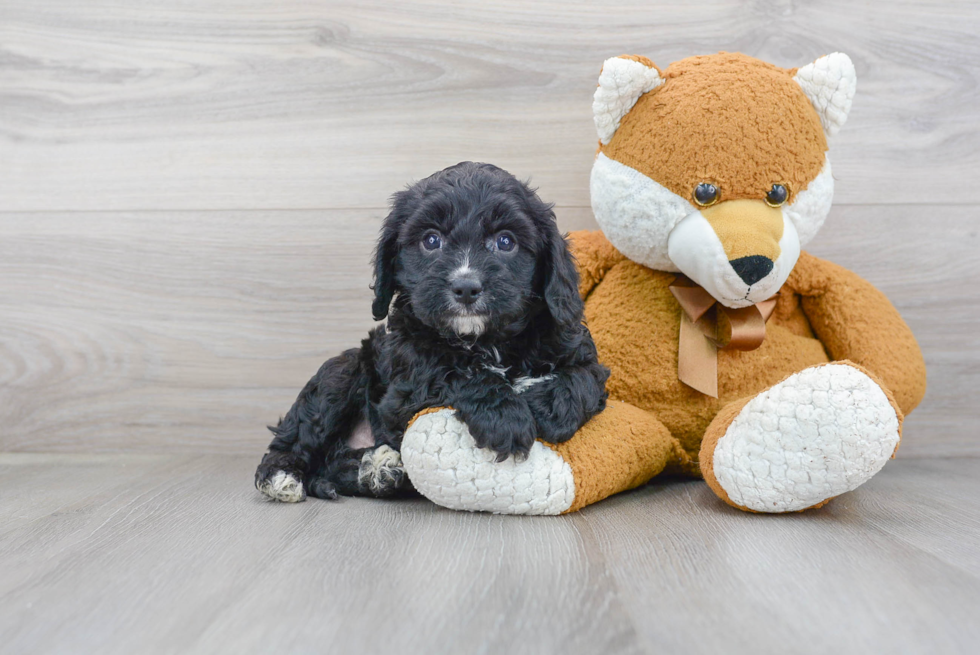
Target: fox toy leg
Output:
[
  {"x": 815, "y": 435},
  {"x": 619, "y": 449}
]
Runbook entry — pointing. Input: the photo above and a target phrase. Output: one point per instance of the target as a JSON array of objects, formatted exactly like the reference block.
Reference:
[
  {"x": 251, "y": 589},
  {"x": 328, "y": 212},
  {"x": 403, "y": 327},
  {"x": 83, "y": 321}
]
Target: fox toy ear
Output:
[
  {"x": 621, "y": 83},
  {"x": 829, "y": 83}
]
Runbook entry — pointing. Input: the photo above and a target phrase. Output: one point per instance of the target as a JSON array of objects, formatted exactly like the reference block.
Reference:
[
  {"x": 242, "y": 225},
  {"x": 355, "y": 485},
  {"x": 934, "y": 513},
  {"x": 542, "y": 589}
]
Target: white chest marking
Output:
[{"x": 522, "y": 384}]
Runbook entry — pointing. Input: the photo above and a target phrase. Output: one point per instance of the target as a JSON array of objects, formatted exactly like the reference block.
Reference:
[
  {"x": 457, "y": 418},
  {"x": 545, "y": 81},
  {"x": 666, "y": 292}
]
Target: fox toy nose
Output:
[
  {"x": 467, "y": 290},
  {"x": 752, "y": 269}
]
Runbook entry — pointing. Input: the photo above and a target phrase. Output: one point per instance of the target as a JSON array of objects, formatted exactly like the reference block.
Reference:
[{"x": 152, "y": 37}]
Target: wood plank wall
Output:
[{"x": 189, "y": 191}]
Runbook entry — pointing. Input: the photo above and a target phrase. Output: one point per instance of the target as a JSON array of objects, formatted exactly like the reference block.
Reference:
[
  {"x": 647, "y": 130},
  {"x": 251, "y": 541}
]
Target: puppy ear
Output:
[
  {"x": 386, "y": 256},
  {"x": 561, "y": 279}
]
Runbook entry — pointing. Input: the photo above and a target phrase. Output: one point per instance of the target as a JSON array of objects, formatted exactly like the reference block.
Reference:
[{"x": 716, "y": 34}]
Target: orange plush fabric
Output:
[
  {"x": 742, "y": 125},
  {"x": 855, "y": 321},
  {"x": 734, "y": 121},
  {"x": 823, "y": 313},
  {"x": 619, "y": 449},
  {"x": 635, "y": 322}
]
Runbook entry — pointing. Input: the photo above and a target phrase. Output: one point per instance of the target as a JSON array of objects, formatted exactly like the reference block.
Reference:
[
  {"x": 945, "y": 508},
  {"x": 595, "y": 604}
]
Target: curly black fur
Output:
[{"x": 481, "y": 296}]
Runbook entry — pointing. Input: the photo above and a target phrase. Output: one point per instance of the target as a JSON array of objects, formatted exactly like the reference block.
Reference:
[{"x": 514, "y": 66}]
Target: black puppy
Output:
[{"x": 484, "y": 315}]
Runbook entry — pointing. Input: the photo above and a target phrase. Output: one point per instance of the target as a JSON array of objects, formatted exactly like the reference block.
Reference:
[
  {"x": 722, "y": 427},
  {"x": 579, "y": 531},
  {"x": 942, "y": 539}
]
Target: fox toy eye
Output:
[
  {"x": 706, "y": 194},
  {"x": 506, "y": 242},
  {"x": 432, "y": 241},
  {"x": 777, "y": 195}
]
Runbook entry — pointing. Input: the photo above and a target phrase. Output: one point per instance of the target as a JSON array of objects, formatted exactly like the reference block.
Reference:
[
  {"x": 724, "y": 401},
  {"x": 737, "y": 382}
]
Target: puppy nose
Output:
[
  {"x": 467, "y": 290},
  {"x": 752, "y": 269}
]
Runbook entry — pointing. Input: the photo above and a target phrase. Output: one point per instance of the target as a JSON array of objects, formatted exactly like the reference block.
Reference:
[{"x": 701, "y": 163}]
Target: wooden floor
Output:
[{"x": 178, "y": 554}]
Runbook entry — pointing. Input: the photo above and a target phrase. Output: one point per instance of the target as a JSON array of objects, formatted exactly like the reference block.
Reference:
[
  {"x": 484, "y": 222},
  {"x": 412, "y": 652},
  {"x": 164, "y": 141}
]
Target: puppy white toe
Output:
[
  {"x": 381, "y": 470},
  {"x": 283, "y": 487}
]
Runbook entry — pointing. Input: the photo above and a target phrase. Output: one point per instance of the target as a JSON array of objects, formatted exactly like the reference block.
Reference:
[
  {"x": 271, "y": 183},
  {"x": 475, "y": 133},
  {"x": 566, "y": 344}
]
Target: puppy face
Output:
[
  {"x": 473, "y": 251},
  {"x": 468, "y": 262}
]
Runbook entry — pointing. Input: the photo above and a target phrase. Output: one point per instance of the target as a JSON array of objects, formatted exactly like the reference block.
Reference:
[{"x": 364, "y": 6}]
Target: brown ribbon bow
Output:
[{"x": 707, "y": 326}]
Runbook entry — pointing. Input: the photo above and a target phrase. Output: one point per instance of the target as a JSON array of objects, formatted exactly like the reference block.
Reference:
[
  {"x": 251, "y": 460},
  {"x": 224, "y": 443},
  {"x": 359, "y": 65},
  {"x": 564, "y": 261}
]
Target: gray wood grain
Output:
[
  {"x": 865, "y": 575},
  {"x": 158, "y": 331},
  {"x": 172, "y": 554},
  {"x": 243, "y": 104},
  {"x": 190, "y": 331}
]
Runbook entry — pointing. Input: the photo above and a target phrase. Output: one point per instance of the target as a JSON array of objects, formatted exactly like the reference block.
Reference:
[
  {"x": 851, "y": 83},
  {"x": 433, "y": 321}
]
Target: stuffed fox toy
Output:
[{"x": 780, "y": 378}]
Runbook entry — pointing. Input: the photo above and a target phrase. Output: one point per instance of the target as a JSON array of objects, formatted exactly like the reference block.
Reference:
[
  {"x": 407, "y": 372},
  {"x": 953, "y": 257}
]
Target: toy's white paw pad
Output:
[
  {"x": 381, "y": 472},
  {"x": 446, "y": 466},
  {"x": 819, "y": 433},
  {"x": 283, "y": 487}
]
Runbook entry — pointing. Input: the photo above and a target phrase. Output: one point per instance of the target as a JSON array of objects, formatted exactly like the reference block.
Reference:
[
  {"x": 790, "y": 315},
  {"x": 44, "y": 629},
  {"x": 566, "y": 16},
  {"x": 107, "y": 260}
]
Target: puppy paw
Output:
[
  {"x": 554, "y": 411},
  {"x": 508, "y": 429},
  {"x": 381, "y": 473},
  {"x": 279, "y": 477},
  {"x": 283, "y": 486}
]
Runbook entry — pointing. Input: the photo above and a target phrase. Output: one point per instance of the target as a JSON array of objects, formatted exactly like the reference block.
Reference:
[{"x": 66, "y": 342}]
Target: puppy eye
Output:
[
  {"x": 432, "y": 241},
  {"x": 706, "y": 194},
  {"x": 777, "y": 195},
  {"x": 506, "y": 242}
]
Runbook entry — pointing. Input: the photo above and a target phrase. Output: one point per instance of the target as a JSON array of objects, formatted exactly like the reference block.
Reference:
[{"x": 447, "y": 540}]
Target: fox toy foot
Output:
[
  {"x": 619, "y": 449},
  {"x": 817, "y": 434},
  {"x": 446, "y": 466}
]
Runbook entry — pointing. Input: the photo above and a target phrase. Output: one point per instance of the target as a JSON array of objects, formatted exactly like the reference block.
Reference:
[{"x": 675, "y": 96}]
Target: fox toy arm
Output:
[
  {"x": 594, "y": 256},
  {"x": 855, "y": 321}
]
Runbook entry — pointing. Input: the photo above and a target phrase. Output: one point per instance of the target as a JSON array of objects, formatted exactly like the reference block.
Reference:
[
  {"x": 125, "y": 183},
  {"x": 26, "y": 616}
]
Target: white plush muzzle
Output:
[{"x": 655, "y": 227}]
